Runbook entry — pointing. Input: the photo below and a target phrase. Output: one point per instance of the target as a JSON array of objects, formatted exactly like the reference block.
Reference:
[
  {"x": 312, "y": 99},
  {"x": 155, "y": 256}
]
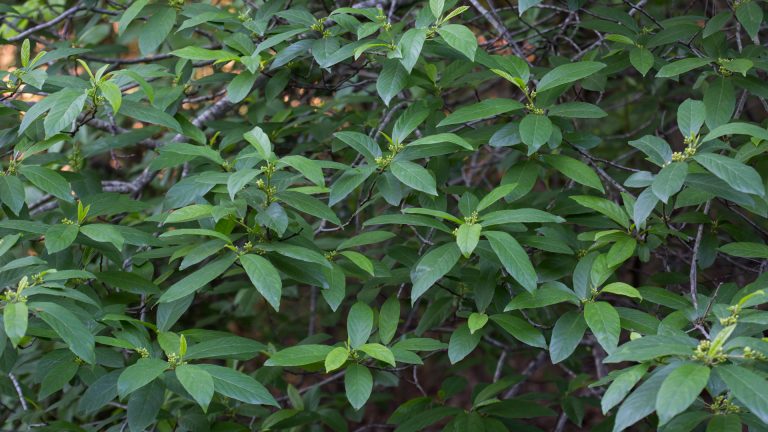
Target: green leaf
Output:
[
  {"x": 157, "y": 29},
  {"x": 68, "y": 326},
  {"x": 723, "y": 423},
  {"x": 392, "y": 80},
  {"x": 59, "y": 237},
  {"x": 63, "y": 114},
  {"x": 513, "y": 257},
  {"x": 203, "y": 54},
  {"x": 359, "y": 260},
  {"x": 524, "y": 5},
  {"x": 520, "y": 329},
  {"x": 139, "y": 374},
  {"x": 657, "y": 150},
  {"x": 113, "y": 95},
  {"x": 740, "y": 177},
  {"x": 149, "y": 114},
  {"x": 237, "y": 385},
  {"x": 719, "y": 102},
  {"x": 548, "y": 294},
  {"x": 198, "y": 279},
  {"x": 669, "y": 180},
  {"x": 379, "y": 352},
  {"x": 35, "y": 78},
  {"x": 100, "y": 392},
  {"x": 336, "y": 359},
  {"x": 605, "y": 207},
  {"x": 741, "y": 66},
  {"x": 420, "y": 344},
  {"x": 48, "y": 181},
  {"x": 190, "y": 151},
  {"x": 198, "y": 382},
  {"x": 144, "y": 405},
  {"x": 620, "y": 288},
  {"x": 621, "y": 386},
  {"x": 680, "y": 389},
  {"x": 310, "y": 205},
  {"x": 750, "y": 15},
  {"x": 362, "y": 143},
  {"x": 190, "y": 213},
  {"x": 432, "y": 267},
  {"x": 603, "y": 320},
  {"x": 737, "y": 129},
  {"x": 568, "y": 73},
  {"x": 459, "y": 38},
  {"x": 414, "y": 176},
  {"x": 576, "y": 110},
  {"x": 130, "y": 14},
  {"x": 410, "y": 45},
  {"x": 260, "y": 141},
  {"x": 642, "y": 59},
  {"x": 12, "y": 193},
  {"x": 298, "y": 253},
  {"x": 622, "y": 250},
  {"x": 481, "y": 110},
  {"x": 748, "y": 387},
  {"x": 566, "y": 335},
  {"x": 575, "y": 170},
  {"x": 104, "y": 233},
  {"x": 681, "y": 67},
  {"x": 59, "y": 375},
  {"x": 467, "y": 237},
  {"x": 38, "y": 109},
  {"x": 476, "y": 321},
  {"x": 264, "y": 277},
  {"x": 644, "y": 206},
  {"x": 299, "y": 355},
  {"x": 745, "y": 250},
  {"x": 358, "y": 384},
  {"x": 437, "y": 7},
  {"x": 195, "y": 232},
  {"x": 524, "y": 215},
  {"x": 408, "y": 121},
  {"x": 240, "y": 86},
  {"x": 349, "y": 181},
  {"x": 239, "y": 179},
  {"x": 641, "y": 402},
  {"x": 307, "y": 167},
  {"x": 650, "y": 347},
  {"x": 143, "y": 84},
  {"x": 495, "y": 195},
  {"x": 431, "y": 212},
  {"x": 535, "y": 130},
  {"x": 230, "y": 347},
  {"x": 690, "y": 117},
  {"x": 716, "y": 23},
  {"x": 389, "y": 318},
  {"x": 15, "y": 318},
  {"x": 359, "y": 324},
  {"x": 462, "y": 343},
  {"x": 441, "y": 138}
]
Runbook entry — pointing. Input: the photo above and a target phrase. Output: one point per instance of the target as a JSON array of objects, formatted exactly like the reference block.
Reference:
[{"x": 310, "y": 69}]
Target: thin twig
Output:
[
  {"x": 695, "y": 258},
  {"x": 64, "y": 15},
  {"x": 17, "y": 387}
]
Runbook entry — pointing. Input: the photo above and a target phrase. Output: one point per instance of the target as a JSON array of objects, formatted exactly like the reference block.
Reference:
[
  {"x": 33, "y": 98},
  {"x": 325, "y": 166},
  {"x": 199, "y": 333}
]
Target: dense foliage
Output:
[{"x": 385, "y": 215}]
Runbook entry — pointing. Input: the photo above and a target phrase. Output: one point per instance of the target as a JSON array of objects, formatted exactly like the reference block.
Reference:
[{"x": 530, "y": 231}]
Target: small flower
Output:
[
  {"x": 702, "y": 354},
  {"x": 472, "y": 219},
  {"x": 751, "y": 354},
  {"x": 723, "y": 405}
]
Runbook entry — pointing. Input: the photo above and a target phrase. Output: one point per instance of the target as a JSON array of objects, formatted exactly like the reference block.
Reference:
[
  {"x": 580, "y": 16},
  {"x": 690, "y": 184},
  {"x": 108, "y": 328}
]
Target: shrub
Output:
[{"x": 250, "y": 215}]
